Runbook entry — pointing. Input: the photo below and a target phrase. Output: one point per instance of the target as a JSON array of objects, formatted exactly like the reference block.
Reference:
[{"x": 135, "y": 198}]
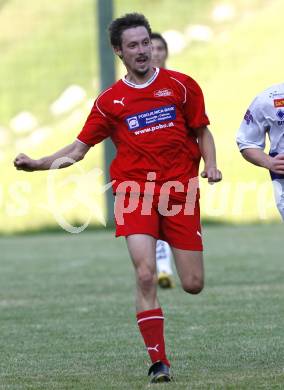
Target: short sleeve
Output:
[
  {"x": 196, "y": 116},
  {"x": 252, "y": 131},
  {"x": 96, "y": 128}
]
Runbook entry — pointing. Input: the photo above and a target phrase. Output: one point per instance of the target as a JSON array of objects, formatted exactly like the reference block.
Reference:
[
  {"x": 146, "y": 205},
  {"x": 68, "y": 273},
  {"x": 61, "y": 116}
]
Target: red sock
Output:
[{"x": 151, "y": 324}]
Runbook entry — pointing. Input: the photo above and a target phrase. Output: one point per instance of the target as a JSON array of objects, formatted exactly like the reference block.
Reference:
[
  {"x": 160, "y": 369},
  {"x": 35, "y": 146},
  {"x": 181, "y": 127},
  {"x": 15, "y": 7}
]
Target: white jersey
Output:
[{"x": 264, "y": 116}]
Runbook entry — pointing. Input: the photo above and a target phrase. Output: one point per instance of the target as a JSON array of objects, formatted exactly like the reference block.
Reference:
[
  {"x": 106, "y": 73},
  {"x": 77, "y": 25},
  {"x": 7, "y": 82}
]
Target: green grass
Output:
[{"x": 67, "y": 314}]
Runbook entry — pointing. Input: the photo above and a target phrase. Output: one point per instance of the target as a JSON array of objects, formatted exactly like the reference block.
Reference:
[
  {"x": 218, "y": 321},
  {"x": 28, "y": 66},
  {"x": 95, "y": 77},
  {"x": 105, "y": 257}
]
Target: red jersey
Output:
[{"x": 152, "y": 126}]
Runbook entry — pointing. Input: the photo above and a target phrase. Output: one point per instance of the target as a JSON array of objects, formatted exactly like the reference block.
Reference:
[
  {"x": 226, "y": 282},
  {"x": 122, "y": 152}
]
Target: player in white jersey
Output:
[
  {"x": 163, "y": 250},
  {"x": 265, "y": 116}
]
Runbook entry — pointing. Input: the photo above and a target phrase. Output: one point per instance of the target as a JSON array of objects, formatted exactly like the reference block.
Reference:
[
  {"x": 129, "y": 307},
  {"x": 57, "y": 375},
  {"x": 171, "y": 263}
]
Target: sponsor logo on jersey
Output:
[
  {"x": 280, "y": 115},
  {"x": 151, "y": 117},
  {"x": 275, "y": 94},
  {"x": 163, "y": 92},
  {"x": 278, "y": 102},
  {"x": 248, "y": 117},
  {"x": 132, "y": 122}
]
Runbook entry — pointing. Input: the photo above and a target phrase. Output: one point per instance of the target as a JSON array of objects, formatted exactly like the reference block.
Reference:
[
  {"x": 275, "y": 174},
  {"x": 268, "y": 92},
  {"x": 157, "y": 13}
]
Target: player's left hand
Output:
[{"x": 212, "y": 174}]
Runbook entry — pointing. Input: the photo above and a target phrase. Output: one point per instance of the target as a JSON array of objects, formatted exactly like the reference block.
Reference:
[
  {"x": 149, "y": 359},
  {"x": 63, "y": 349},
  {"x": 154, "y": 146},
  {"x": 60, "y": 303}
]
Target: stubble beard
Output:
[
  {"x": 134, "y": 69},
  {"x": 139, "y": 72}
]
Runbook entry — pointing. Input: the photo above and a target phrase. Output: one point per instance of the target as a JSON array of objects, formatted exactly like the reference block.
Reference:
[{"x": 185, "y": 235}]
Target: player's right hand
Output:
[
  {"x": 277, "y": 164},
  {"x": 24, "y": 163}
]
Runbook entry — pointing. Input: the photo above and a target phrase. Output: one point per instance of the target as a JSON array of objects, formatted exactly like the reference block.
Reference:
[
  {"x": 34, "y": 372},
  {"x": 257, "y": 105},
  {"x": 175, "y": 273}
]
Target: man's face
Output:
[
  {"x": 159, "y": 53},
  {"x": 136, "y": 50}
]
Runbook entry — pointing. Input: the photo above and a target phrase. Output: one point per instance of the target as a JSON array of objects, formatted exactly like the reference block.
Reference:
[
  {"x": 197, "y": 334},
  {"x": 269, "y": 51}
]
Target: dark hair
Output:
[
  {"x": 123, "y": 23},
  {"x": 156, "y": 35}
]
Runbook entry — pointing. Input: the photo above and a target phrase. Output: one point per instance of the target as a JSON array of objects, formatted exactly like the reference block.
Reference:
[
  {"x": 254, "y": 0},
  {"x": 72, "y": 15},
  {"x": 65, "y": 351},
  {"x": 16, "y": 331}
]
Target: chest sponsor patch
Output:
[
  {"x": 163, "y": 92},
  {"x": 151, "y": 117},
  {"x": 278, "y": 102}
]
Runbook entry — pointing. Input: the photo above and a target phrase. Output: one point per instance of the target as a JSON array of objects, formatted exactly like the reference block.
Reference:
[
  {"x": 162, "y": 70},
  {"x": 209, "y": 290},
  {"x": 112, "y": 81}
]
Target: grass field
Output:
[{"x": 67, "y": 314}]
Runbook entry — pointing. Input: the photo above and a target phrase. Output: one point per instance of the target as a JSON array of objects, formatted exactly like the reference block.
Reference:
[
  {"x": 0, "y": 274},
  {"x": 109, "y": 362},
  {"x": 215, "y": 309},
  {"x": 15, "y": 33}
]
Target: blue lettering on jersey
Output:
[{"x": 151, "y": 117}]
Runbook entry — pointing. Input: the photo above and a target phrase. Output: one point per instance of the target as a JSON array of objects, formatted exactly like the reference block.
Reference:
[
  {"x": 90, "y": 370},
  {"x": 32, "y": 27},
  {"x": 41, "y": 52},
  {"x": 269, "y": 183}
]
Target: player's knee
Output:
[
  {"x": 193, "y": 285},
  {"x": 146, "y": 278}
]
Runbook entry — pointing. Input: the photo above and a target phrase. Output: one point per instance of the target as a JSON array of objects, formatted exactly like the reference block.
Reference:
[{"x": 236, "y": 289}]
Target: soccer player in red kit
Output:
[{"x": 157, "y": 121}]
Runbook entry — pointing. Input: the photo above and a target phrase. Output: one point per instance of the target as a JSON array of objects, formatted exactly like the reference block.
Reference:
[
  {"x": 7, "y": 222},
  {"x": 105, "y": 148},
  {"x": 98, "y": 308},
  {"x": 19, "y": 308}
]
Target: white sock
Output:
[{"x": 163, "y": 257}]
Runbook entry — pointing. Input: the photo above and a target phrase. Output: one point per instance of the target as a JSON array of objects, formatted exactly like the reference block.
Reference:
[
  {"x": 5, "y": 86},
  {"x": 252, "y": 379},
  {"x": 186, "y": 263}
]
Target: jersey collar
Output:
[{"x": 148, "y": 82}]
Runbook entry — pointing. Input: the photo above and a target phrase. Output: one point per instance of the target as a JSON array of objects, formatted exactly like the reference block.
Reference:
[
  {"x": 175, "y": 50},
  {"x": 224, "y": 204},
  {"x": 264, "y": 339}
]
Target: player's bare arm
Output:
[
  {"x": 208, "y": 152},
  {"x": 74, "y": 152},
  {"x": 260, "y": 158}
]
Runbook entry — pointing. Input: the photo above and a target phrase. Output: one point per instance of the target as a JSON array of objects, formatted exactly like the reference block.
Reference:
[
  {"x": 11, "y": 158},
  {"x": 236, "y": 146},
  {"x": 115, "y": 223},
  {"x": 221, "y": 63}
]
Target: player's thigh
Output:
[
  {"x": 142, "y": 250},
  {"x": 190, "y": 269}
]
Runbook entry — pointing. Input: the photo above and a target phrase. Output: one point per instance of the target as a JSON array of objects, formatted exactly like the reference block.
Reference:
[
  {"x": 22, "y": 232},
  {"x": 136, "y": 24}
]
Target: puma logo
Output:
[
  {"x": 119, "y": 101},
  {"x": 153, "y": 348}
]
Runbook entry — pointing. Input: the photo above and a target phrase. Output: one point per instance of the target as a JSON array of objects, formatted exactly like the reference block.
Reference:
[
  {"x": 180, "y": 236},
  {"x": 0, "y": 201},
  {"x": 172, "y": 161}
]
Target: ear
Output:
[{"x": 118, "y": 52}]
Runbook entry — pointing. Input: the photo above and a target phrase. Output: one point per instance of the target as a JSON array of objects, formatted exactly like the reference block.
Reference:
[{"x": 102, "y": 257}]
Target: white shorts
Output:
[{"x": 278, "y": 187}]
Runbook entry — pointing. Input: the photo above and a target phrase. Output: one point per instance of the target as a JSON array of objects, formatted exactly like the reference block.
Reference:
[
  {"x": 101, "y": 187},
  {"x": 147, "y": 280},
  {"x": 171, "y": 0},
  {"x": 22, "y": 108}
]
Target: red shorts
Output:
[{"x": 140, "y": 216}]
